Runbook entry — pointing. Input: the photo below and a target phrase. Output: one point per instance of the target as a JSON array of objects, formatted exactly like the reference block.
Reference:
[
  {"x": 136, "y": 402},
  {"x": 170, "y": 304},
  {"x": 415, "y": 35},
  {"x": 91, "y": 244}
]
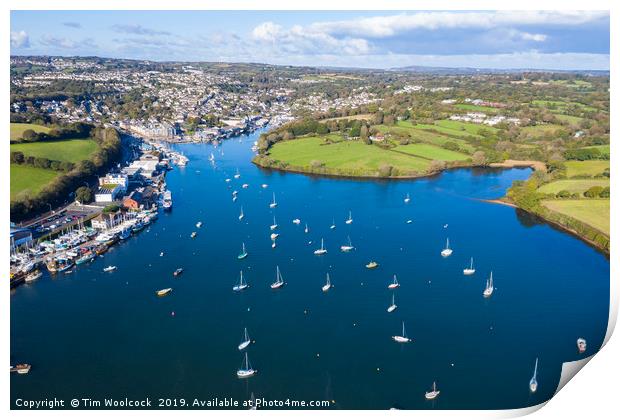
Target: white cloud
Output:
[
  {"x": 266, "y": 31},
  {"x": 526, "y": 36},
  {"x": 20, "y": 39}
]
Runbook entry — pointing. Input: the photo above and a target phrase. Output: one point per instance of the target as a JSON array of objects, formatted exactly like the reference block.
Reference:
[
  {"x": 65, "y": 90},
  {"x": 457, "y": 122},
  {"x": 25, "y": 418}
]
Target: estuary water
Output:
[{"x": 100, "y": 335}]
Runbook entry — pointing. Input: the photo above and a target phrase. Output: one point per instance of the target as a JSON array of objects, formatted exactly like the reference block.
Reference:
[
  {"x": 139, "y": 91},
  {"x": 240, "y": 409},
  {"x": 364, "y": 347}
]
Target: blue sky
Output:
[{"x": 383, "y": 39}]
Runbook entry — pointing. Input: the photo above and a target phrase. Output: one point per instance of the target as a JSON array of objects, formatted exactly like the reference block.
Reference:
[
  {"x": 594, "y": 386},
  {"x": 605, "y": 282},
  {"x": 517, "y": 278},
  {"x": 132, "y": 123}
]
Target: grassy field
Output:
[
  {"x": 592, "y": 212},
  {"x": 476, "y": 108},
  {"x": 426, "y": 136},
  {"x": 17, "y": 129},
  {"x": 569, "y": 119},
  {"x": 572, "y": 185},
  {"x": 603, "y": 148},
  {"x": 28, "y": 178},
  {"x": 561, "y": 105},
  {"x": 367, "y": 117},
  {"x": 73, "y": 150},
  {"x": 429, "y": 151},
  {"x": 586, "y": 167},
  {"x": 539, "y": 130},
  {"x": 353, "y": 155}
]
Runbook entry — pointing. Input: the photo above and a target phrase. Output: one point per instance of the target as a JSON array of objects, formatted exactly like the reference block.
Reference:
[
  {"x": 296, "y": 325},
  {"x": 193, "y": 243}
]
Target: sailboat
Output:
[
  {"x": 279, "y": 280},
  {"x": 273, "y": 243},
  {"x": 241, "y": 216},
  {"x": 246, "y": 340},
  {"x": 275, "y": 225},
  {"x": 242, "y": 285},
  {"x": 431, "y": 395},
  {"x": 447, "y": 251},
  {"x": 581, "y": 345},
  {"x": 273, "y": 204},
  {"x": 402, "y": 338},
  {"x": 533, "y": 381},
  {"x": 347, "y": 248},
  {"x": 322, "y": 250},
  {"x": 395, "y": 284},
  {"x": 199, "y": 225},
  {"x": 253, "y": 402},
  {"x": 274, "y": 236},
  {"x": 471, "y": 270},
  {"x": 212, "y": 158},
  {"x": 246, "y": 370},
  {"x": 350, "y": 219},
  {"x": 393, "y": 306},
  {"x": 237, "y": 175},
  {"x": 327, "y": 285},
  {"x": 244, "y": 253},
  {"x": 333, "y": 226},
  {"x": 407, "y": 198},
  {"x": 306, "y": 229},
  {"x": 488, "y": 291}
]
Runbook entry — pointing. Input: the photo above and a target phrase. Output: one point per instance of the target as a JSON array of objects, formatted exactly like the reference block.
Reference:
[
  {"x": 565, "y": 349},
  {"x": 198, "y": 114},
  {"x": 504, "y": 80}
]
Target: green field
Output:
[
  {"x": 17, "y": 129},
  {"x": 604, "y": 148},
  {"x": 425, "y": 136},
  {"x": 429, "y": 151},
  {"x": 542, "y": 129},
  {"x": 592, "y": 212},
  {"x": 476, "y": 108},
  {"x": 586, "y": 167},
  {"x": 561, "y": 106},
  {"x": 73, "y": 150},
  {"x": 569, "y": 119},
  {"x": 349, "y": 155},
  {"x": 29, "y": 178},
  {"x": 572, "y": 185}
]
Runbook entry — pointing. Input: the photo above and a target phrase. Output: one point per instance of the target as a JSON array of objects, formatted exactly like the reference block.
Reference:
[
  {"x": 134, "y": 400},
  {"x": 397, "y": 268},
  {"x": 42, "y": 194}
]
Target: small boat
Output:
[
  {"x": 533, "y": 381},
  {"x": 87, "y": 257},
  {"x": 241, "y": 215},
  {"x": 471, "y": 270},
  {"x": 321, "y": 250},
  {"x": 296, "y": 221},
  {"x": 237, "y": 175},
  {"x": 199, "y": 225},
  {"x": 350, "y": 219},
  {"x": 279, "y": 280},
  {"x": 333, "y": 225},
  {"x": 177, "y": 272},
  {"x": 431, "y": 395},
  {"x": 242, "y": 285},
  {"x": 137, "y": 227},
  {"x": 581, "y": 345},
  {"x": 445, "y": 226},
  {"x": 347, "y": 248},
  {"x": 246, "y": 370},
  {"x": 407, "y": 198},
  {"x": 193, "y": 235},
  {"x": 395, "y": 284},
  {"x": 244, "y": 253},
  {"x": 246, "y": 340},
  {"x": 164, "y": 292},
  {"x": 372, "y": 264},
  {"x": 275, "y": 225},
  {"x": 409, "y": 221},
  {"x": 273, "y": 204},
  {"x": 227, "y": 180},
  {"x": 447, "y": 251},
  {"x": 393, "y": 306},
  {"x": 124, "y": 234},
  {"x": 21, "y": 369},
  {"x": 488, "y": 291},
  {"x": 109, "y": 268},
  {"x": 161, "y": 254},
  {"x": 327, "y": 285},
  {"x": 245, "y": 186},
  {"x": 264, "y": 185},
  {"x": 402, "y": 338},
  {"x": 306, "y": 229},
  {"x": 273, "y": 244},
  {"x": 274, "y": 236},
  {"x": 212, "y": 158},
  {"x": 33, "y": 276},
  {"x": 234, "y": 198}
]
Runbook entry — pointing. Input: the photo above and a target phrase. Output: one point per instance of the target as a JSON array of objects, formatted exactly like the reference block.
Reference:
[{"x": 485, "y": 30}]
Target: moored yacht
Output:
[
  {"x": 246, "y": 340},
  {"x": 242, "y": 285},
  {"x": 581, "y": 344},
  {"x": 372, "y": 264},
  {"x": 327, "y": 285},
  {"x": 471, "y": 270},
  {"x": 273, "y": 203},
  {"x": 402, "y": 338},
  {"x": 275, "y": 225},
  {"x": 533, "y": 381},
  {"x": 279, "y": 280},
  {"x": 446, "y": 252},
  {"x": 347, "y": 248},
  {"x": 488, "y": 291},
  {"x": 164, "y": 292},
  {"x": 393, "y": 306},
  {"x": 395, "y": 284},
  {"x": 241, "y": 215},
  {"x": 350, "y": 219},
  {"x": 321, "y": 250},
  {"x": 407, "y": 198},
  {"x": 246, "y": 370},
  {"x": 244, "y": 253},
  {"x": 432, "y": 394}
]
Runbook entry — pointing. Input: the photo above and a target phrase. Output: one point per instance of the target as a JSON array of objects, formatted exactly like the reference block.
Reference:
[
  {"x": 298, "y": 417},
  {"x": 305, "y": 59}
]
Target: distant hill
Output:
[{"x": 473, "y": 70}]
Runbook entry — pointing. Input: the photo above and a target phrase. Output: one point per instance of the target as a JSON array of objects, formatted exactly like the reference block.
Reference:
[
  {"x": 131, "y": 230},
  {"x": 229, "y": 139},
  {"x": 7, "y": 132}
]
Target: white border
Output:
[{"x": 593, "y": 395}]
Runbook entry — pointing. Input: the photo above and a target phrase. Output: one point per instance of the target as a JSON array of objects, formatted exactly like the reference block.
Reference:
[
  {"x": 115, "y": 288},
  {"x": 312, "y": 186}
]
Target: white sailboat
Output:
[
  {"x": 393, "y": 306},
  {"x": 333, "y": 225},
  {"x": 431, "y": 395},
  {"x": 350, "y": 219},
  {"x": 275, "y": 225},
  {"x": 306, "y": 229},
  {"x": 199, "y": 225},
  {"x": 321, "y": 250},
  {"x": 242, "y": 284},
  {"x": 246, "y": 340},
  {"x": 327, "y": 285},
  {"x": 407, "y": 198},
  {"x": 246, "y": 370},
  {"x": 488, "y": 291},
  {"x": 581, "y": 345},
  {"x": 237, "y": 175},
  {"x": 471, "y": 270},
  {"x": 533, "y": 381},
  {"x": 212, "y": 158},
  {"x": 296, "y": 221},
  {"x": 395, "y": 284},
  {"x": 279, "y": 280},
  {"x": 447, "y": 251},
  {"x": 244, "y": 253},
  {"x": 273, "y": 204},
  {"x": 241, "y": 215},
  {"x": 274, "y": 236},
  {"x": 402, "y": 338},
  {"x": 347, "y": 248}
]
